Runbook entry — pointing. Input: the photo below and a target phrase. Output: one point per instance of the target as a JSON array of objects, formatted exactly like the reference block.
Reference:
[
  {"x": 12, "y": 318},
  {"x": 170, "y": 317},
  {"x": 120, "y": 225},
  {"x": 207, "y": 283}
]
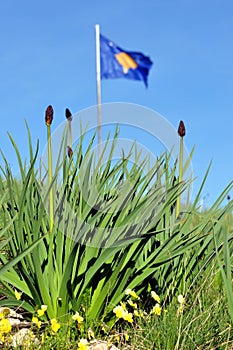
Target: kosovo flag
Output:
[{"x": 118, "y": 63}]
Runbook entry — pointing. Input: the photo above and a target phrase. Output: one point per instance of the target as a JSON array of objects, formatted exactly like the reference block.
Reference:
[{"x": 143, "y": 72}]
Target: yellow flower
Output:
[
  {"x": 181, "y": 309},
  {"x": 42, "y": 310},
  {"x": 5, "y": 326},
  {"x": 83, "y": 344},
  {"x": 131, "y": 293},
  {"x": 17, "y": 295},
  {"x": 155, "y": 296},
  {"x": 36, "y": 321},
  {"x": 181, "y": 299},
  {"x": 119, "y": 311},
  {"x": 136, "y": 313},
  {"x": 77, "y": 317},
  {"x": 126, "y": 337},
  {"x": 55, "y": 325},
  {"x": 128, "y": 317},
  {"x": 131, "y": 303},
  {"x": 156, "y": 310},
  {"x": 4, "y": 312},
  {"x": 123, "y": 306}
]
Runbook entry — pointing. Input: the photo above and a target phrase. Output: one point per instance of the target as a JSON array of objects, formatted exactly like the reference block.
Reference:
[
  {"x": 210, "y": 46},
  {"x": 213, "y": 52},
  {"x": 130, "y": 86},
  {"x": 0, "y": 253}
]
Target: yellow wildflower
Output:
[
  {"x": 119, "y": 311},
  {"x": 77, "y": 317},
  {"x": 131, "y": 293},
  {"x": 128, "y": 317},
  {"x": 155, "y": 296},
  {"x": 131, "y": 303},
  {"x": 36, "y": 321},
  {"x": 123, "y": 313},
  {"x": 156, "y": 310},
  {"x": 136, "y": 313},
  {"x": 5, "y": 326},
  {"x": 126, "y": 337},
  {"x": 181, "y": 309},
  {"x": 83, "y": 344},
  {"x": 55, "y": 325},
  {"x": 181, "y": 299},
  {"x": 17, "y": 295},
  {"x": 4, "y": 312},
  {"x": 123, "y": 306},
  {"x": 42, "y": 310}
]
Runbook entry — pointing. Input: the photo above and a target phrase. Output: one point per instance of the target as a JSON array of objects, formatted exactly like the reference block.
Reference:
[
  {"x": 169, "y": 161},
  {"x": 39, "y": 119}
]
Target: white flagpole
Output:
[{"x": 98, "y": 86}]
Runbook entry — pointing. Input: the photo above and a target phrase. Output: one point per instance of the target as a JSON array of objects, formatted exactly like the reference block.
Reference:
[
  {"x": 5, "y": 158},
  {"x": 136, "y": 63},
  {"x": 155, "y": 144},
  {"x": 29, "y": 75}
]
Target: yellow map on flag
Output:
[{"x": 126, "y": 61}]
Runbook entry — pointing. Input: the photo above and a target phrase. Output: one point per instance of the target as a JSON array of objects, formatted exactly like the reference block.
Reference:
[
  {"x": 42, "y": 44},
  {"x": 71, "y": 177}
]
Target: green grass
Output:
[{"x": 204, "y": 324}]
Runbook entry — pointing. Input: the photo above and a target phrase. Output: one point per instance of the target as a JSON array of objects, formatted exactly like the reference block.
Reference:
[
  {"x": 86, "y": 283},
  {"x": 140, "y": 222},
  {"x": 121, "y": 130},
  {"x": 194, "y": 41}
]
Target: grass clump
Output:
[{"x": 98, "y": 250}]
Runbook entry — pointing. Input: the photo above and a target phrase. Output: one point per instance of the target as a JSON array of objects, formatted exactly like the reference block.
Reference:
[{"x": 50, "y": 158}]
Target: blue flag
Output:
[{"x": 118, "y": 63}]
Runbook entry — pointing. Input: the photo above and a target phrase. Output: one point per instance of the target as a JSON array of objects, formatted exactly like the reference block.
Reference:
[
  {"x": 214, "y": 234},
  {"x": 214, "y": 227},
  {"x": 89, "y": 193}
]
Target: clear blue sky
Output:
[{"x": 47, "y": 56}]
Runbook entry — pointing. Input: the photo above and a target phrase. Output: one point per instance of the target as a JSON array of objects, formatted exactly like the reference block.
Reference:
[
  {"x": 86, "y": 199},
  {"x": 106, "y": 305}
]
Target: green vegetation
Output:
[{"x": 102, "y": 246}]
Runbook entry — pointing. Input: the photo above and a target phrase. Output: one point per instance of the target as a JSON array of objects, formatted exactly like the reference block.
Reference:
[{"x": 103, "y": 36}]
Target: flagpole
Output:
[{"x": 98, "y": 89}]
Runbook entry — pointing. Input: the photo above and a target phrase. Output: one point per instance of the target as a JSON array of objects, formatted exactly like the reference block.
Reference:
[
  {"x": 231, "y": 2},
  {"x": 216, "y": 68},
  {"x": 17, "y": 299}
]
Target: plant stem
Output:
[
  {"x": 50, "y": 174},
  {"x": 70, "y": 133},
  {"x": 180, "y": 175}
]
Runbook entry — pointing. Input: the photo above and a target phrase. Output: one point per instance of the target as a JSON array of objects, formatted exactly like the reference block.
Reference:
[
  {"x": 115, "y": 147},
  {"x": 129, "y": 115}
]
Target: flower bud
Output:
[
  {"x": 68, "y": 114},
  {"x": 70, "y": 152},
  {"x": 181, "y": 129},
  {"x": 49, "y": 115}
]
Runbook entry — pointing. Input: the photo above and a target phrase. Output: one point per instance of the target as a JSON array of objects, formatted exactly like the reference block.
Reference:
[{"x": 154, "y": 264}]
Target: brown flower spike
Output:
[
  {"x": 181, "y": 129},
  {"x": 68, "y": 114},
  {"x": 49, "y": 115},
  {"x": 70, "y": 152}
]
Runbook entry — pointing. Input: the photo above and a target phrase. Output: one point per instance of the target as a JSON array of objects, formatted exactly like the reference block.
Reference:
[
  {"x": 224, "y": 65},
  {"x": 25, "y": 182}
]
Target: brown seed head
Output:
[
  {"x": 181, "y": 129},
  {"x": 70, "y": 152},
  {"x": 49, "y": 115},
  {"x": 68, "y": 114}
]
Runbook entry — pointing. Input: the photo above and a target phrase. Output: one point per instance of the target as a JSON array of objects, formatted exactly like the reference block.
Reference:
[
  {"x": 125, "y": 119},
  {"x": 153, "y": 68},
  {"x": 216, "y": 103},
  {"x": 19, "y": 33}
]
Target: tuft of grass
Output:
[
  {"x": 110, "y": 227},
  {"x": 203, "y": 324}
]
